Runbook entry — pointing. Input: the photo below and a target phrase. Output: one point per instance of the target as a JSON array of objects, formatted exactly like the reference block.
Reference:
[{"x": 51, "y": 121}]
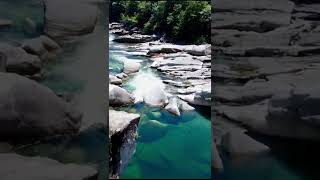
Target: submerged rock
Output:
[
  {"x": 152, "y": 130},
  {"x": 119, "y": 96},
  {"x": 30, "y": 109},
  {"x": 18, "y": 61},
  {"x": 41, "y": 168}
]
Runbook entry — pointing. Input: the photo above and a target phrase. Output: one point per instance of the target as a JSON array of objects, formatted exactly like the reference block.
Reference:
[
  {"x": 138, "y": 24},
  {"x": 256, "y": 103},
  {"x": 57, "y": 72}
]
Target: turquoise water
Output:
[{"x": 168, "y": 146}]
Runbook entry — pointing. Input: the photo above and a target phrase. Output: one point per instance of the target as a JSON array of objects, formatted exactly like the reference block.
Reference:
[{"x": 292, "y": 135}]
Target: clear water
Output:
[{"x": 168, "y": 146}]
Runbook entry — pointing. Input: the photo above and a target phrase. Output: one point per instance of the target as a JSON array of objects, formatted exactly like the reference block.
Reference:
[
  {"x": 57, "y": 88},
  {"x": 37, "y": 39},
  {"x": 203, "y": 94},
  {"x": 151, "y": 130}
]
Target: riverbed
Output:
[{"x": 168, "y": 146}]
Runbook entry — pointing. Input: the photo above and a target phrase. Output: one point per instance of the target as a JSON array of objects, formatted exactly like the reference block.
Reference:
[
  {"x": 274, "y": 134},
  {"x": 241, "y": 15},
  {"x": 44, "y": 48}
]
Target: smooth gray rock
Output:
[
  {"x": 129, "y": 66},
  {"x": 199, "y": 50},
  {"x": 19, "y": 167},
  {"x": 122, "y": 140},
  {"x": 63, "y": 23},
  {"x": 173, "y": 106},
  {"x": 119, "y": 96},
  {"x": 236, "y": 143},
  {"x": 114, "y": 80},
  {"x": 18, "y": 61},
  {"x": 30, "y": 109},
  {"x": 120, "y": 121},
  {"x": 270, "y": 121},
  {"x": 42, "y": 46},
  {"x": 263, "y": 21},
  {"x": 277, "y": 5}
]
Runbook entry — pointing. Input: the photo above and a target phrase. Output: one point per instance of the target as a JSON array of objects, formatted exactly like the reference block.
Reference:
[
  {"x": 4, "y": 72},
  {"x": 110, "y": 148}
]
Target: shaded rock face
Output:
[
  {"x": 39, "y": 168},
  {"x": 18, "y": 61},
  {"x": 122, "y": 130},
  {"x": 28, "y": 109},
  {"x": 3, "y": 62},
  {"x": 119, "y": 96},
  {"x": 5, "y": 23},
  {"x": 269, "y": 65},
  {"x": 42, "y": 46},
  {"x": 63, "y": 23},
  {"x": 216, "y": 160}
]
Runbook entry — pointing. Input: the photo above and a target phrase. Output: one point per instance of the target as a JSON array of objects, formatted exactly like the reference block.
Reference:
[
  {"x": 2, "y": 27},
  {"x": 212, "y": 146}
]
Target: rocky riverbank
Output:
[
  {"x": 30, "y": 111},
  {"x": 185, "y": 77},
  {"x": 266, "y": 67}
]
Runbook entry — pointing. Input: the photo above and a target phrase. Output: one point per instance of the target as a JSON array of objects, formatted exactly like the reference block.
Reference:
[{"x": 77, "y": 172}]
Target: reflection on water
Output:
[{"x": 168, "y": 146}]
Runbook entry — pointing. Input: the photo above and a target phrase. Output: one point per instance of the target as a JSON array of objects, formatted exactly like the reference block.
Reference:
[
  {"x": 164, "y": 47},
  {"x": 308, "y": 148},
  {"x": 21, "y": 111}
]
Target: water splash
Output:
[{"x": 145, "y": 85}]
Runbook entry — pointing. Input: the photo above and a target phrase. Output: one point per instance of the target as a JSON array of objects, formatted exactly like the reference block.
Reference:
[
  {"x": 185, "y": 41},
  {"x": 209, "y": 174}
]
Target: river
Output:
[{"x": 168, "y": 146}]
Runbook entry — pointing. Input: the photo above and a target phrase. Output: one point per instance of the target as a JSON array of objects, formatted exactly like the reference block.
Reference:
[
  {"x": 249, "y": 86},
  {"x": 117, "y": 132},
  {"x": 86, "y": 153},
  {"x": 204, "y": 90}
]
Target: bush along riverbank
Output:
[
  {"x": 266, "y": 122},
  {"x": 148, "y": 77},
  {"x": 45, "y": 132}
]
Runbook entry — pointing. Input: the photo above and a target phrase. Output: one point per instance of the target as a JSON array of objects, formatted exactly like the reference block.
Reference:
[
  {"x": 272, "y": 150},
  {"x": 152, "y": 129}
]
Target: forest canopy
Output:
[{"x": 177, "y": 21}]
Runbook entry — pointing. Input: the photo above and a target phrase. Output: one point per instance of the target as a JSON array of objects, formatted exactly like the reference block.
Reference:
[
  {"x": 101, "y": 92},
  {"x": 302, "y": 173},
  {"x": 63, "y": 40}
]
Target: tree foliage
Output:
[{"x": 178, "y": 21}]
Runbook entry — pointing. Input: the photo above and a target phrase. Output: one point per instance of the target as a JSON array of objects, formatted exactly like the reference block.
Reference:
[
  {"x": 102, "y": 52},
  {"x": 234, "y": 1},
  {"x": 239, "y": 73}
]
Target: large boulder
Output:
[
  {"x": 114, "y": 80},
  {"x": 122, "y": 136},
  {"x": 200, "y": 50},
  {"x": 65, "y": 20},
  {"x": 42, "y": 46},
  {"x": 30, "y": 109},
  {"x": 165, "y": 48},
  {"x": 129, "y": 66},
  {"x": 119, "y": 96},
  {"x": 119, "y": 121},
  {"x": 19, "y": 61},
  {"x": 19, "y": 167}
]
